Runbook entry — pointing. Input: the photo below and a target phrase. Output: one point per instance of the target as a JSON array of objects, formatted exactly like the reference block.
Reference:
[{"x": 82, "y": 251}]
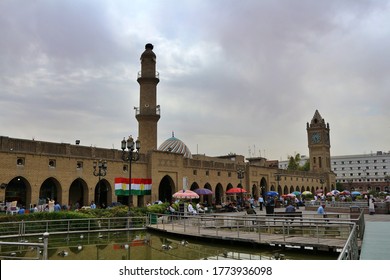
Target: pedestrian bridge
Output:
[{"x": 309, "y": 232}]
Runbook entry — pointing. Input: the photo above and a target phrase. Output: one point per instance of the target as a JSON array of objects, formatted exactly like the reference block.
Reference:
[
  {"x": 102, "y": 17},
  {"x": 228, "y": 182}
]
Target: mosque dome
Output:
[{"x": 175, "y": 145}]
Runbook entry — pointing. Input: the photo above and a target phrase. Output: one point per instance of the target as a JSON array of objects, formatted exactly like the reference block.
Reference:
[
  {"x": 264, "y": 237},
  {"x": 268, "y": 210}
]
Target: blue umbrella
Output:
[
  {"x": 355, "y": 193},
  {"x": 271, "y": 193}
]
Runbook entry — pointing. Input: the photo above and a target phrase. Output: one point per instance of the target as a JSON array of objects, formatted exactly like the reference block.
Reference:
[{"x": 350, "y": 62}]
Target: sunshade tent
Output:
[
  {"x": 185, "y": 194},
  {"x": 306, "y": 193},
  {"x": 296, "y": 193},
  {"x": 345, "y": 193},
  {"x": 271, "y": 193},
  {"x": 235, "y": 191},
  {"x": 203, "y": 191}
]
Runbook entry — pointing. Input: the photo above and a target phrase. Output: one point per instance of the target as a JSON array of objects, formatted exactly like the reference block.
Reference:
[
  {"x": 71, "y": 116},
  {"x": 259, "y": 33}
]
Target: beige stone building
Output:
[{"x": 33, "y": 171}]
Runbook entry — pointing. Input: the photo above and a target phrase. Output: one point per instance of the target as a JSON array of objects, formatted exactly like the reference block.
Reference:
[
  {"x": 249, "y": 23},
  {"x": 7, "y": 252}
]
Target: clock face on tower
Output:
[{"x": 315, "y": 138}]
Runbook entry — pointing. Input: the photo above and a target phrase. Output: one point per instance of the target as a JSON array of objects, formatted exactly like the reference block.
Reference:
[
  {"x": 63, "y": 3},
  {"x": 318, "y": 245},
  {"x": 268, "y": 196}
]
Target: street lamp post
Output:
[
  {"x": 132, "y": 154},
  {"x": 99, "y": 170},
  {"x": 240, "y": 175}
]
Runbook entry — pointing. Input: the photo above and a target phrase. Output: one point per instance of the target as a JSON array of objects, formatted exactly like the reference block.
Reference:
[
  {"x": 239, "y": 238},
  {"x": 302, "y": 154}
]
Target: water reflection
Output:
[{"x": 149, "y": 246}]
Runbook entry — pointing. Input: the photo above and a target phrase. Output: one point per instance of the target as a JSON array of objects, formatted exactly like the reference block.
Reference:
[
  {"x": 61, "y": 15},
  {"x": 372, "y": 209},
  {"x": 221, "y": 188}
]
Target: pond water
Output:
[{"x": 143, "y": 245}]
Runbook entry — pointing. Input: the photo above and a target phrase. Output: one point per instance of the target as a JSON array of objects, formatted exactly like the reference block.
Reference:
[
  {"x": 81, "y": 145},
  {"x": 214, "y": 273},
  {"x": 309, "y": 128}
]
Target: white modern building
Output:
[{"x": 359, "y": 172}]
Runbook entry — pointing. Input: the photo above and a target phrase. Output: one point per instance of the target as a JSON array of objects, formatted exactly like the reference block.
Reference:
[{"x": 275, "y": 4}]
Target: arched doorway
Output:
[
  {"x": 207, "y": 198},
  {"x": 50, "y": 190},
  {"x": 18, "y": 189},
  {"x": 166, "y": 189},
  {"x": 218, "y": 194},
  {"x": 102, "y": 195},
  {"x": 78, "y": 193},
  {"x": 263, "y": 186},
  {"x": 194, "y": 186}
]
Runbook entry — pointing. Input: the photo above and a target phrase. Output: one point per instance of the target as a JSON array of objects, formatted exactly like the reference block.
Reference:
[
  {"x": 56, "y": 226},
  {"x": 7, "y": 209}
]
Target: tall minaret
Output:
[{"x": 148, "y": 112}]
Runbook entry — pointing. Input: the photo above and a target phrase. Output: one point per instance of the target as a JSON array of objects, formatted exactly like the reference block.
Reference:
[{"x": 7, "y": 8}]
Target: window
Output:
[
  {"x": 79, "y": 165},
  {"x": 52, "y": 163},
  {"x": 342, "y": 162},
  {"x": 195, "y": 172},
  {"x": 207, "y": 173},
  {"x": 366, "y": 161},
  {"x": 229, "y": 174},
  {"x": 350, "y": 162},
  {"x": 351, "y": 174},
  {"x": 125, "y": 168},
  {"x": 20, "y": 161},
  {"x": 219, "y": 173},
  {"x": 358, "y": 161}
]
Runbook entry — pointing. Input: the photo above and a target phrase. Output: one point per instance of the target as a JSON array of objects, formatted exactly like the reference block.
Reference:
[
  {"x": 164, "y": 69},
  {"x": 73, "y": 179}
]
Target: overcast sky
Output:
[{"x": 238, "y": 77}]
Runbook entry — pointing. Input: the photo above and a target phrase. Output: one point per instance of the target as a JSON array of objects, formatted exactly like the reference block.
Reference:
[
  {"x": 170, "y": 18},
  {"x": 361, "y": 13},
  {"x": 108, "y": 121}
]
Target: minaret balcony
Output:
[
  {"x": 156, "y": 75},
  {"x": 148, "y": 110}
]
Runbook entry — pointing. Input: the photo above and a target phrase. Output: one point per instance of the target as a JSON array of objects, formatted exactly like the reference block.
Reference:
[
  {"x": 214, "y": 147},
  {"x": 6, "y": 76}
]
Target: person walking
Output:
[
  {"x": 321, "y": 209},
  {"x": 261, "y": 202},
  {"x": 371, "y": 205}
]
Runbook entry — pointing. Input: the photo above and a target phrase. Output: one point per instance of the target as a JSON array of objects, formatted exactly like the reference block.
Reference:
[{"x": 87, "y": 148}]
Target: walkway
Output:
[
  {"x": 376, "y": 245},
  {"x": 312, "y": 233}
]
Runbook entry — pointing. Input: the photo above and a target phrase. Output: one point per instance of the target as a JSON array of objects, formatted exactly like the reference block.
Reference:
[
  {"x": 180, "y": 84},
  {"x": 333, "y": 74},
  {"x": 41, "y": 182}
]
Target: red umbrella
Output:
[
  {"x": 345, "y": 193},
  {"x": 235, "y": 190}
]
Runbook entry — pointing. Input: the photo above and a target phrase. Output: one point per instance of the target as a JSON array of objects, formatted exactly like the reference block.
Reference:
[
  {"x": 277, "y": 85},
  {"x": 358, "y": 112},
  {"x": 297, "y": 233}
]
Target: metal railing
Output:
[
  {"x": 318, "y": 230},
  {"x": 25, "y": 250},
  {"x": 30, "y": 228},
  {"x": 351, "y": 247}
]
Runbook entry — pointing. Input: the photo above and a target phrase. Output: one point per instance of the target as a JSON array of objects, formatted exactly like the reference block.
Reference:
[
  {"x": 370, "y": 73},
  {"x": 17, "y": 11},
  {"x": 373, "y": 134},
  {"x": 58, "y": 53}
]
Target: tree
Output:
[{"x": 294, "y": 163}]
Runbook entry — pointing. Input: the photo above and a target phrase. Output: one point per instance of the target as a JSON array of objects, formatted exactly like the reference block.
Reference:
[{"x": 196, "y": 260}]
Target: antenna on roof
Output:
[{"x": 173, "y": 134}]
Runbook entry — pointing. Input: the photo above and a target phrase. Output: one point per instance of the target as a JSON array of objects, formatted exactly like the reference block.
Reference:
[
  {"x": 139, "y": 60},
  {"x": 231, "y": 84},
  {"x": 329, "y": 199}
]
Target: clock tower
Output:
[{"x": 319, "y": 144}]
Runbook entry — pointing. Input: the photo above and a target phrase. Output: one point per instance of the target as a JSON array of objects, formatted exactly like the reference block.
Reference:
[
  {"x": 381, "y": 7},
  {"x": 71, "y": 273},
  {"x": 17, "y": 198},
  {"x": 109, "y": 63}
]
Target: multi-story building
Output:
[{"x": 363, "y": 172}]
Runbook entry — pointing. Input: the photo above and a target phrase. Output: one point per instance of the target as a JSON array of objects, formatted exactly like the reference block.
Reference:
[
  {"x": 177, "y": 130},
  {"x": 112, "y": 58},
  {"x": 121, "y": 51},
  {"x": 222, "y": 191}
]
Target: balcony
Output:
[
  {"x": 148, "y": 110},
  {"x": 156, "y": 75}
]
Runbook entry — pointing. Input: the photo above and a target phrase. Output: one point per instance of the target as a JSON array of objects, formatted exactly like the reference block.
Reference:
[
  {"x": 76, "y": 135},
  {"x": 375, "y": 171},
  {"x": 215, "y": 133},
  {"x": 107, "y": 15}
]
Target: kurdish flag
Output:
[{"x": 139, "y": 186}]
